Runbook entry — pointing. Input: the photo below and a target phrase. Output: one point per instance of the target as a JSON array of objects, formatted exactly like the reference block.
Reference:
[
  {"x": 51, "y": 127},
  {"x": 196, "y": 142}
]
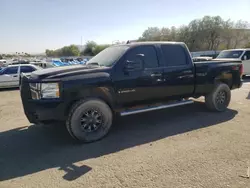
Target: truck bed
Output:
[{"x": 206, "y": 73}]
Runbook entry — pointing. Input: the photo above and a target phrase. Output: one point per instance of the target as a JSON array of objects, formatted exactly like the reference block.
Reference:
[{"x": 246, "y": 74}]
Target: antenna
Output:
[{"x": 130, "y": 41}]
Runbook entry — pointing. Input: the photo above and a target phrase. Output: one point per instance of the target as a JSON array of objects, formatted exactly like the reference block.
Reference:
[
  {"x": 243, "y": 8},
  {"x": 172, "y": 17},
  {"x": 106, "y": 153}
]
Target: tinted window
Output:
[
  {"x": 174, "y": 55},
  {"x": 247, "y": 53},
  {"x": 230, "y": 54},
  {"x": 26, "y": 69},
  {"x": 108, "y": 56},
  {"x": 11, "y": 70},
  {"x": 150, "y": 56}
]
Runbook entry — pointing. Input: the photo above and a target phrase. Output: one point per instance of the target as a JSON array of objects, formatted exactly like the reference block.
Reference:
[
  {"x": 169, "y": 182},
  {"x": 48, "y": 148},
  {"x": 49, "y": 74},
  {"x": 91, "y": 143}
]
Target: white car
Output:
[
  {"x": 9, "y": 76},
  {"x": 239, "y": 54}
]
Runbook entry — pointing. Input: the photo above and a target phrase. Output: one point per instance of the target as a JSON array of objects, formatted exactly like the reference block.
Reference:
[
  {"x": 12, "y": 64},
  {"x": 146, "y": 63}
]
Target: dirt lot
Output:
[{"x": 179, "y": 147}]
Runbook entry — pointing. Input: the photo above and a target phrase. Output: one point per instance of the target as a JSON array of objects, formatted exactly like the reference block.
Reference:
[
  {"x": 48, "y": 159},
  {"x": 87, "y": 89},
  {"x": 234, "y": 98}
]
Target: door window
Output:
[
  {"x": 174, "y": 55},
  {"x": 11, "y": 70},
  {"x": 27, "y": 69},
  {"x": 247, "y": 54},
  {"x": 148, "y": 54}
]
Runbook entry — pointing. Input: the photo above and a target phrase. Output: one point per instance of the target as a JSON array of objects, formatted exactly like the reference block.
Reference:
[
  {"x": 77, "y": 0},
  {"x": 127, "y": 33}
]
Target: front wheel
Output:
[
  {"x": 219, "y": 99},
  {"x": 89, "y": 120}
]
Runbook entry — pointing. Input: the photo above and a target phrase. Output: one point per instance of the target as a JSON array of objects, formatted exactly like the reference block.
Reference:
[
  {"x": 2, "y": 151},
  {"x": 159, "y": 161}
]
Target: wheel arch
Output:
[
  {"x": 226, "y": 78},
  {"x": 104, "y": 94}
]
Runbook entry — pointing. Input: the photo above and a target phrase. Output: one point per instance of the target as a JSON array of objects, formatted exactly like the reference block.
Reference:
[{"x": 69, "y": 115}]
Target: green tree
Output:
[
  {"x": 89, "y": 49},
  {"x": 99, "y": 48},
  {"x": 240, "y": 33},
  {"x": 151, "y": 34},
  {"x": 71, "y": 50},
  {"x": 49, "y": 53},
  {"x": 248, "y": 45},
  {"x": 207, "y": 33}
]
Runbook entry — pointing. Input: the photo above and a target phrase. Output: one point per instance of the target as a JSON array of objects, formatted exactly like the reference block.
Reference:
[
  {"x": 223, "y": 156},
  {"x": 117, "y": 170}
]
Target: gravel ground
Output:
[{"x": 183, "y": 147}]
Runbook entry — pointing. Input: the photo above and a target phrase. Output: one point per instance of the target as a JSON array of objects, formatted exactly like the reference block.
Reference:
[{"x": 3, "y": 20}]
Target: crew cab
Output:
[
  {"x": 237, "y": 54},
  {"x": 123, "y": 80}
]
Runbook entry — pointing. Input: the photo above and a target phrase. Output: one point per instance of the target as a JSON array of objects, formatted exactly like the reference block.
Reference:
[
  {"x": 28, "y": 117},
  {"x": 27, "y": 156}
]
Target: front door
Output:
[
  {"x": 139, "y": 85},
  {"x": 9, "y": 77}
]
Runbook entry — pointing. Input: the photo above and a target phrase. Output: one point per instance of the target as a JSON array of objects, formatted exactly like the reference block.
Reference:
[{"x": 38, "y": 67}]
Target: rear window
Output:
[{"x": 174, "y": 55}]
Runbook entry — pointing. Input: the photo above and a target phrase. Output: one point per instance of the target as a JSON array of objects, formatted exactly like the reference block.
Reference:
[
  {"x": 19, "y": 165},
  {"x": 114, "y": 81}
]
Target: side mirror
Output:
[{"x": 135, "y": 65}]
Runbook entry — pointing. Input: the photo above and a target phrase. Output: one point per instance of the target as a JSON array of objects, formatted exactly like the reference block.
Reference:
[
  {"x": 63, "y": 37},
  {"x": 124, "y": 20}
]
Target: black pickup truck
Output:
[{"x": 122, "y": 80}]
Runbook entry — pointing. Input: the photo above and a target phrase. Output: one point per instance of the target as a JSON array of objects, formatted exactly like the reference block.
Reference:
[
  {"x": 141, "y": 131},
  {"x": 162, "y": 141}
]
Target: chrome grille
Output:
[{"x": 35, "y": 90}]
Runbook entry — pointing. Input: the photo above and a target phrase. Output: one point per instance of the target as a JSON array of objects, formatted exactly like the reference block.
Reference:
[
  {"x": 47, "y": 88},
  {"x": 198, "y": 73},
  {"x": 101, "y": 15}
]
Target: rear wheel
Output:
[
  {"x": 89, "y": 120},
  {"x": 219, "y": 99}
]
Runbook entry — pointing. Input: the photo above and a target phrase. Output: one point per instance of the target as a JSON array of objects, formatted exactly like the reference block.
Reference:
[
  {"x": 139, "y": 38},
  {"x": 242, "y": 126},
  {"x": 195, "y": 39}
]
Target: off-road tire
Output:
[
  {"x": 73, "y": 121},
  {"x": 211, "y": 99}
]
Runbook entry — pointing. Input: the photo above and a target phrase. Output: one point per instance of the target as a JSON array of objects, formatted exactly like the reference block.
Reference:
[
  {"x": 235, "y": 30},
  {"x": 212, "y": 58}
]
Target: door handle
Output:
[
  {"x": 187, "y": 72},
  {"x": 185, "y": 76},
  {"x": 156, "y": 74},
  {"x": 15, "y": 76}
]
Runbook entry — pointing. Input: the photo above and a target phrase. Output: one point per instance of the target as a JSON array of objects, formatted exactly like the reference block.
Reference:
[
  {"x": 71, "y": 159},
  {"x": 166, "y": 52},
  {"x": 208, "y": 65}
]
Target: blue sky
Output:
[{"x": 34, "y": 25}]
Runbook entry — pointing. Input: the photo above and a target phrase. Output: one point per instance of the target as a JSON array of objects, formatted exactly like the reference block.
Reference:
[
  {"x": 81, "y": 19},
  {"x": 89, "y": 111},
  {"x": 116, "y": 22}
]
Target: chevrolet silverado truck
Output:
[{"x": 123, "y": 80}]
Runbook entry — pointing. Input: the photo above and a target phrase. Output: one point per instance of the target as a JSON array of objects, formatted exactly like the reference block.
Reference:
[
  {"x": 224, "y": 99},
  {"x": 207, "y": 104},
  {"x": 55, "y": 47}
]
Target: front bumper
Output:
[{"x": 40, "y": 110}]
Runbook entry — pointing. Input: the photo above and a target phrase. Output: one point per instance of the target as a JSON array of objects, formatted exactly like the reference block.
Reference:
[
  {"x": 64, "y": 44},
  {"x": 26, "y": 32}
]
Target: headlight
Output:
[
  {"x": 44, "y": 90},
  {"x": 50, "y": 90}
]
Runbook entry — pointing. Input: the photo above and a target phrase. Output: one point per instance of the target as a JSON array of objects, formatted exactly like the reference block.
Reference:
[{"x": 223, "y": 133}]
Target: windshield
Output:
[
  {"x": 230, "y": 54},
  {"x": 38, "y": 67},
  {"x": 108, "y": 56},
  {"x": 2, "y": 69}
]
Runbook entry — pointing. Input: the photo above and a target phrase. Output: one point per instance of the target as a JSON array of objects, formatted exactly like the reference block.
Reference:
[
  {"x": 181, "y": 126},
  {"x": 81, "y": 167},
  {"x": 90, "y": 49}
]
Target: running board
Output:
[{"x": 170, "y": 105}]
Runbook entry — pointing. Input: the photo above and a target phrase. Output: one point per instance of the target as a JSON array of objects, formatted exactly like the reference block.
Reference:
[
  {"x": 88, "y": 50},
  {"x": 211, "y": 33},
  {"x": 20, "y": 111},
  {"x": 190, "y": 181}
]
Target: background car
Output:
[
  {"x": 9, "y": 76},
  {"x": 239, "y": 54}
]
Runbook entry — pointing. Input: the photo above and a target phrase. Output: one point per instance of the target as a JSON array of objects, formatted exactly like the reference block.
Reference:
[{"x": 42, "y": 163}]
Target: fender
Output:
[
  {"x": 225, "y": 77},
  {"x": 95, "y": 85}
]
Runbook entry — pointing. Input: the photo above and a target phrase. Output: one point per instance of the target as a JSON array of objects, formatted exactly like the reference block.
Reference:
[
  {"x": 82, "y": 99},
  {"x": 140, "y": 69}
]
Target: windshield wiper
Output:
[{"x": 93, "y": 63}]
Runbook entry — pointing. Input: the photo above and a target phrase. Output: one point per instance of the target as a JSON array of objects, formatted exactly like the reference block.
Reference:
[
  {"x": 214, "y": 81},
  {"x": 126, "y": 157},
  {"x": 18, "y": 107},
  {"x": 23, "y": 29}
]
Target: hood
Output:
[{"x": 61, "y": 72}]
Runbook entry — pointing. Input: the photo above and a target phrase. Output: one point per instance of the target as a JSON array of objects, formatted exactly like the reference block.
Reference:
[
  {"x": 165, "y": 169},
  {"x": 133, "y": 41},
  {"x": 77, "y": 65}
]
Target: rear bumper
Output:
[
  {"x": 40, "y": 110},
  {"x": 238, "y": 85}
]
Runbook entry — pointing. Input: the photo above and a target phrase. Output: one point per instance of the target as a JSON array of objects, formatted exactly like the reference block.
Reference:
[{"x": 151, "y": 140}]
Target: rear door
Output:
[
  {"x": 9, "y": 77},
  {"x": 178, "y": 71},
  {"x": 139, "y": 85},
  {"x": 246, "y": 62}
]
